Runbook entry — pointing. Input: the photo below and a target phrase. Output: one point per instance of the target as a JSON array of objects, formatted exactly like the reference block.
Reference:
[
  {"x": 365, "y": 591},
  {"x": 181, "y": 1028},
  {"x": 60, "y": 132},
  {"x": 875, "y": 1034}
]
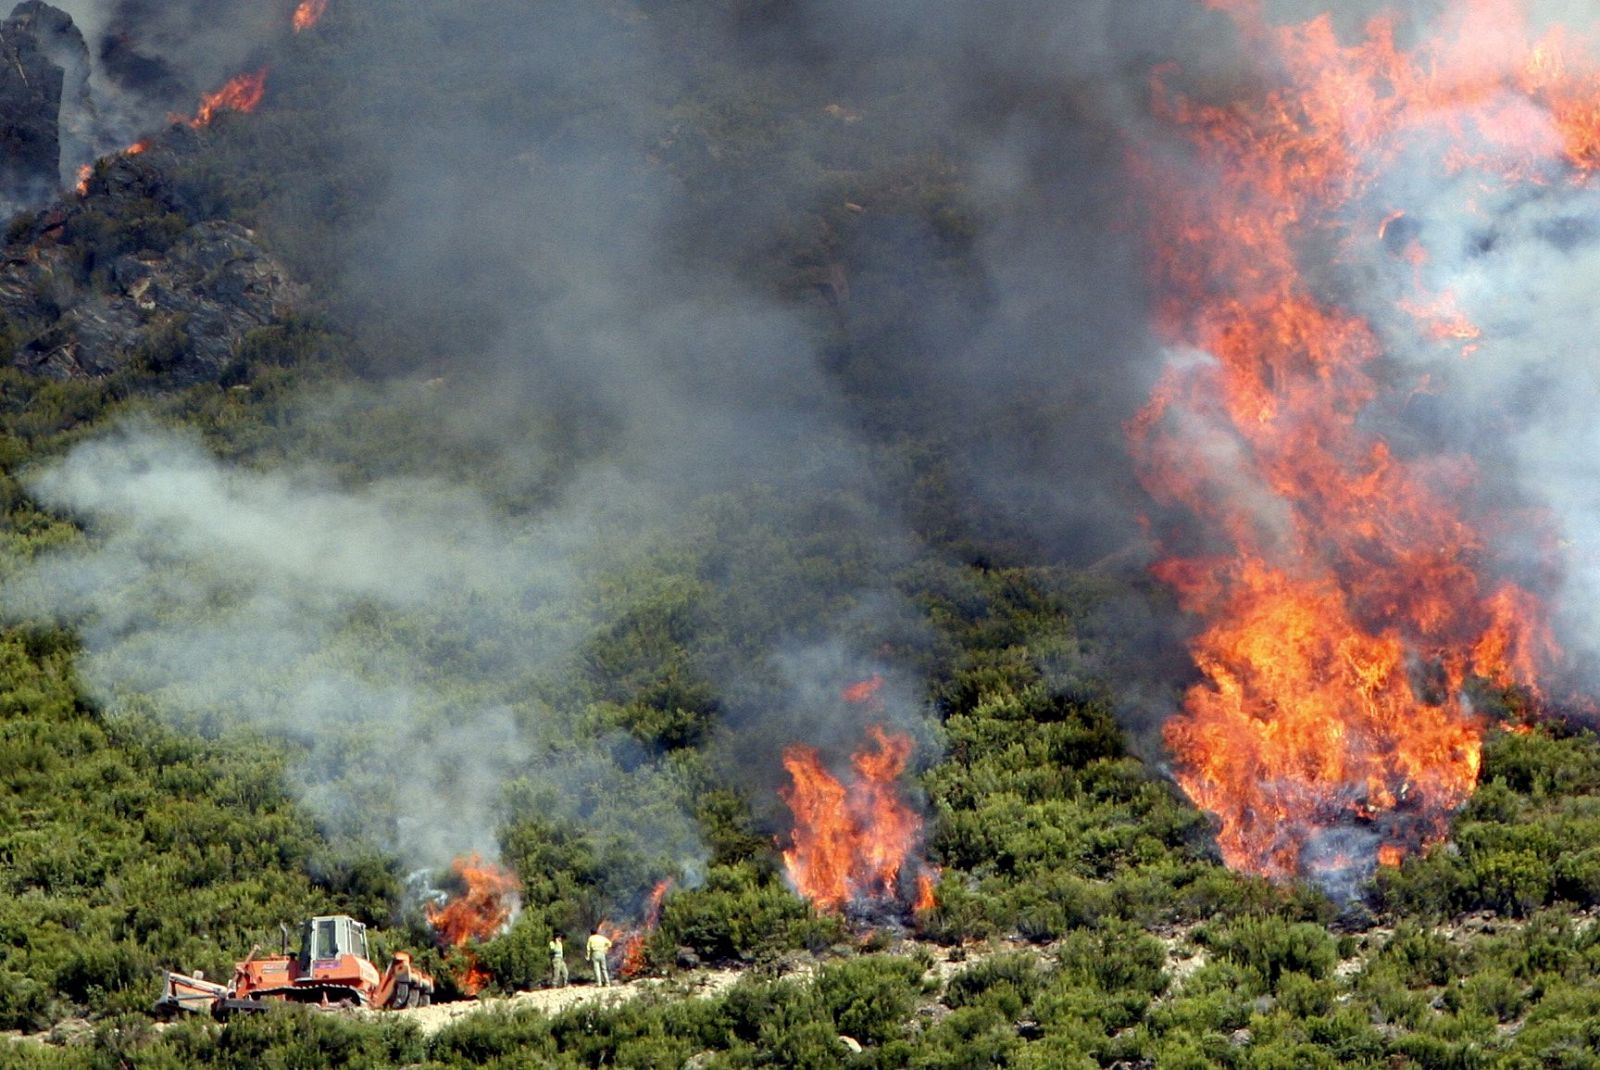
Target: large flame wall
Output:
[{"x": 1346, "y": 588}]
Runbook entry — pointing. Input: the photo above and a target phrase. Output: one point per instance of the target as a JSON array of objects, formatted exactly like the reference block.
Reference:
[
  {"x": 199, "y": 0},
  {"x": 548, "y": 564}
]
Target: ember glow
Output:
[
  {"x": 852, "y": 844},
  {"x": 1345, "y": 583},
  {"x": 241, "y": 93},
  {"x": 308, "y": 13},
  {"x": 487, "y": 903}
]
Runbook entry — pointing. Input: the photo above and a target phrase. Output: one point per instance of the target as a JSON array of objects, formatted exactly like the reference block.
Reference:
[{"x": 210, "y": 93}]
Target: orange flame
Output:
[
  {"x": 308, "y": 14},
  {"x": 242, "y": 93},
  {"x": 865, "y": 692},
  {"x": 87, "y": 170},
  {"x": 484, "y": 907},
  {"x": 853, "y": 842},
  {"x": 629, "y": 943},
  {"x": 1354, "y": 602}
]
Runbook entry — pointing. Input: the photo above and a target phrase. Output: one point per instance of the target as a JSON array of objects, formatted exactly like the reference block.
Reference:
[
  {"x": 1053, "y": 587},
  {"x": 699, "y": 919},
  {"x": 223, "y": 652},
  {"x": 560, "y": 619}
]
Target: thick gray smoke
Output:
[
  {"x": 617, "y": 291},
  {"x": 151, "y": 60},
  {"x": 416, "y": 640},
  {"x": 397, "y": 634},
  {"x": 1522, "y": 266},
  {"x": 587, "y": 270}
]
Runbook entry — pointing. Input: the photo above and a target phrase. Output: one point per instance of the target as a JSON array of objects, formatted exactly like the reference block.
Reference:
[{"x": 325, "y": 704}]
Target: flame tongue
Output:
[
  {"x": 308, "y": 13},
  {"x": 852, "y": 843},
  {"x": 630, "y": 943},
  {"x": 1308, "y": 719},
  {"x": 486, "y": 905},
  {"x": 868, "y": 692},
  {"x": 242, "y": 93},
  {"x": 1355, "y": 602}
]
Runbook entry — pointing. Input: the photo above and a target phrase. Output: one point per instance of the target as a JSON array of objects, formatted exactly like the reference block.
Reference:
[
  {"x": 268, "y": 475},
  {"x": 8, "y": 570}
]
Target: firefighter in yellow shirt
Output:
[{"x": 598, "y": 948}]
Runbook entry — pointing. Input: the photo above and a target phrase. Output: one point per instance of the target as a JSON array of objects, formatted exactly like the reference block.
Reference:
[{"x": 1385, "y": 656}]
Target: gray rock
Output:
[
  {"x": 30, "y": 110},
  {"x": 47, "y": 118},
  {"x": 59, "y": 38},
  {"x": 71, "y": 1032},
  {"x": 181, "y": 308}
]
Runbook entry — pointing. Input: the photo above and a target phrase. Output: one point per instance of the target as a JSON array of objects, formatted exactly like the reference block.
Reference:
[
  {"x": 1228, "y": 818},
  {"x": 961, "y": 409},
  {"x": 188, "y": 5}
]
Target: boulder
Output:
[
  {"x": 46, "y": 115},
  {"x": 177, "y": 303}
]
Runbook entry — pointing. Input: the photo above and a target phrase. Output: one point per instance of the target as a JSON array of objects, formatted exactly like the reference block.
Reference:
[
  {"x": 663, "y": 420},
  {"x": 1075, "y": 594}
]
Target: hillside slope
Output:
[{"x": 537, "y": 437}]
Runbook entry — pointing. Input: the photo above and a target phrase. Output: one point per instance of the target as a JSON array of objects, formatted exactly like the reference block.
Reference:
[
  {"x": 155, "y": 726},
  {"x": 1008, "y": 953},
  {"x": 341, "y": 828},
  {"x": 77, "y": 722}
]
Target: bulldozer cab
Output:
[{"x": 327, "y": 938}]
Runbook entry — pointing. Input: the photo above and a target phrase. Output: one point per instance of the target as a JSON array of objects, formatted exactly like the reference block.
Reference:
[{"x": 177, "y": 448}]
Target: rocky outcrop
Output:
[
  {"x": 30, "y": 109},
  {"x": 46, "y": 114},
  {"x": 81, "y": 297}
]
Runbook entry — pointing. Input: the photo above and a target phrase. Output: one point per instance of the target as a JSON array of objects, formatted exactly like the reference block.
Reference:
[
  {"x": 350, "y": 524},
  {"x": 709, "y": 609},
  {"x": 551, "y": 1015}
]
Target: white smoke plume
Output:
[
  {"x": 580, "y": 271},
  {"x": 394, "y": 634}
]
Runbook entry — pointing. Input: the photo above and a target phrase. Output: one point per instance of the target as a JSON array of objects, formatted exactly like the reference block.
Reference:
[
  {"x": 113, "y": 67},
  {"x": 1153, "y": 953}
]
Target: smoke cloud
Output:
[
  {"x": 593, "y": 271},
  {"x": 581, "y": 298}
]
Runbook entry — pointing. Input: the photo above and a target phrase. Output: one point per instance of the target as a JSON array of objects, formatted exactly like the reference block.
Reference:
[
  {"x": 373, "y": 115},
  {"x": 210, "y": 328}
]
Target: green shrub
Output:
[
  {"x": 870, "y": 998},
  {"x": 1421, "y": 957},
  {"x": 1116, "y": 958},
  {"x": 737, "y": 913},
  {"x": 1270, "y": 947},
  {"x": 1008, "y": 981},
  {"x": 519, "y": 959},
  {"x": 481, "y": 1038}
]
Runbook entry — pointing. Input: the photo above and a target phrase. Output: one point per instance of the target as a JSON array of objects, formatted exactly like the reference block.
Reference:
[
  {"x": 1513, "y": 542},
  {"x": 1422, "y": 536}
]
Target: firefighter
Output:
[
  {"x": 598, "y": 948},
  {"x": 558, "y": 962}
]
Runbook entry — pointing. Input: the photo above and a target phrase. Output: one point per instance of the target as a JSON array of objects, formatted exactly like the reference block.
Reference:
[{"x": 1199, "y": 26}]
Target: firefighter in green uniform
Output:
[
  {"x": 558, "y": 962},
  {"x": 598, "y": 948}
]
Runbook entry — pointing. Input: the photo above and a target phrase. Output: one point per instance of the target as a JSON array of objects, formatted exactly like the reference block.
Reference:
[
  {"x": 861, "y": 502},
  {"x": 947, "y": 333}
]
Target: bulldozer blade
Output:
[
  {"x": 181, "y": 992},
  {"x": 225, "y": 1007}
]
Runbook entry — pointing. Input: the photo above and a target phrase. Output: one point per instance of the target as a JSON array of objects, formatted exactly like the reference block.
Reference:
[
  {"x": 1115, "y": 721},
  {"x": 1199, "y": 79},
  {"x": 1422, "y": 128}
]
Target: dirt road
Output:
[{"x": 698, "y": 984}]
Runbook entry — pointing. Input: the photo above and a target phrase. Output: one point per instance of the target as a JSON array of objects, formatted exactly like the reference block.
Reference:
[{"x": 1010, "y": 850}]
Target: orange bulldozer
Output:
[{"x": 332, "y": 970}]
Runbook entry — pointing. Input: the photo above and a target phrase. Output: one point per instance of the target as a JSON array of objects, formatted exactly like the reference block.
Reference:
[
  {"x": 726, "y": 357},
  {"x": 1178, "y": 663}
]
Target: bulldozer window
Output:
[
  {"x": 329, "y": 938},
  {"x": 322, "y": 940}
]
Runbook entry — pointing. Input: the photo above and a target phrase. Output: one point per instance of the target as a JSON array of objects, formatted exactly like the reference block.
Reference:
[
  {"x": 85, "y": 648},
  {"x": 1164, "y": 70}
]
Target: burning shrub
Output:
[
  {"x": 487, "y": 901},
  {"x": 854, "y": 843}
]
